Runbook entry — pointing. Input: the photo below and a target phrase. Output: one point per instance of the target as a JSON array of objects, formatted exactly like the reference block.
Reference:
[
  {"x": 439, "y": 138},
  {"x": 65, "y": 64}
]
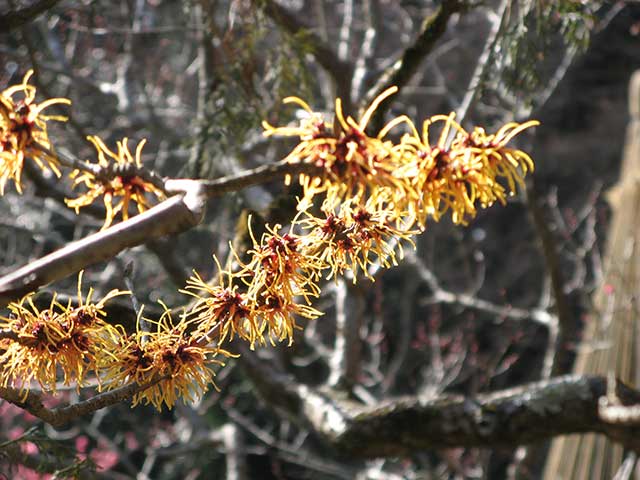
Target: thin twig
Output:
[
  {"x": 568, "y": 328},
  {"x": 432, "y": 29},
  {"x": 483, "y": 65},
  {"x": 103, "y": 173},
  {"x": 256, "y": 176}
]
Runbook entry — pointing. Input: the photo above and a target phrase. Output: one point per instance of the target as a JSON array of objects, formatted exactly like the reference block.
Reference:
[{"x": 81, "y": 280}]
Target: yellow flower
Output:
[
  {"x": 221, "y": 311},
  {"x": 70, "y": 338},
  {"x": 353, "y": 163},
  {"x": 258, "y": 301},
  {"x": 23, "y": 129},
  {"x": 503, "y": 161},
  {"x": 279, "y": 313},
  {"x": 120, "y": 179},
  {"x": 279, "y": 267},
  {"x": 174, "y": 356},
  {"x": 461, "y": 169},
  {"x": 347, "y": 239},
  {"x": 279, "y": 272}
]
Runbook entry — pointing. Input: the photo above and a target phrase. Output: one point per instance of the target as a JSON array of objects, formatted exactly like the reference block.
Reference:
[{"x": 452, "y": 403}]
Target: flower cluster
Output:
[
  {"x": 356, "y": 236},
  {"x": 462, "y": 169},
  {"x": 119, "y": 180},
  {"x": 71, "y": 338},
  {"x": 23, "y": 132},
  {"x": 261, "y": 297},
  {"x": 375, "y": 193},
  {"x": 173, "y": 360},
  {"x": 353, "y": 163},
  {"x": 410, "y": 179}
]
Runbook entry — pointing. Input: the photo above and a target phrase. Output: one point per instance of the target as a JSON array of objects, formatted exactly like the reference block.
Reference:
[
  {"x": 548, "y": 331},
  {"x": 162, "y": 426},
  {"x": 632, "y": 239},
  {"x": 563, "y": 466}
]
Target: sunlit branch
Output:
[
  {"x": 402, "y": 426},
  {"x": 32, "y": 402},
  {"x": 231, "y": 183},
  {"x": 177, "y": 214}
]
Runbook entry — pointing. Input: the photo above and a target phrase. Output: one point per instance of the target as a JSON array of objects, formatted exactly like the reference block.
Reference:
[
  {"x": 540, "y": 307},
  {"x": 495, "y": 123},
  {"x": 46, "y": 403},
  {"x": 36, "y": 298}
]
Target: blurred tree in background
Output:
[{"x": 409, "y": 376}]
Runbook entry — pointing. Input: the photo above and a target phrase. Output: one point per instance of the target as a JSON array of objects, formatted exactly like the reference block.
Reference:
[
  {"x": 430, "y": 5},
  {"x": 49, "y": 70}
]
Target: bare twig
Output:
[
  {"x": 568, "y": 328},
  {"x": 232, "y": 183},
  {"x": 292, "y": 453},
  {"x": 440, "y": 295},
  {"x": 399, "y": 74},
  {"x": 483, "y": 65},
  {"x": 364, "y": 62},
  {"x": 404, "y": 331},
  {"x": 206, "y": 55},
  {"x": 344, "y": 44},
  {"x": 235, "y": 452},
  {"x": 102, "y": 173}
]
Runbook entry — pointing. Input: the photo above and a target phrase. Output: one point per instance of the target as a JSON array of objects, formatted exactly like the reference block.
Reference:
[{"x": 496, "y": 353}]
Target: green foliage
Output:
[{"x": 533, "y": 35}]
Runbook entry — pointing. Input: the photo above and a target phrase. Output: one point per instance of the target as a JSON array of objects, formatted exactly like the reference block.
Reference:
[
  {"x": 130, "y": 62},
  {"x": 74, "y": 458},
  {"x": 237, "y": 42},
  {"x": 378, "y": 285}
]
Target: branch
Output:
[
  {"x": 482, "y": 66},
  {"x": 440, "y": 295},
  {"x": 102, "y": 173},
  {"x": 232, "y": 183},
  {"x": 174, "y": 215},
  {"x": 567, "y": 325},
  {"x": 57, "y": 417},
  {"x": 400, "y": 427},
  {"x": 345, "y": 363},
  {"x": 18, "y": 18},
  {"x": 179, "y": 213},
  {"x": 399, "y": 74},
  {"x": 365, "y": 60}
]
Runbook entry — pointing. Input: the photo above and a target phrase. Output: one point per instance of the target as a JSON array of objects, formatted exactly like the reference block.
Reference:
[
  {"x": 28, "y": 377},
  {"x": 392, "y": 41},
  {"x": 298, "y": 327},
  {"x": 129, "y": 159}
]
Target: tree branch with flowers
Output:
[
  {"x": 365, "y": 192},
  {"x": 362, "y": 196}
]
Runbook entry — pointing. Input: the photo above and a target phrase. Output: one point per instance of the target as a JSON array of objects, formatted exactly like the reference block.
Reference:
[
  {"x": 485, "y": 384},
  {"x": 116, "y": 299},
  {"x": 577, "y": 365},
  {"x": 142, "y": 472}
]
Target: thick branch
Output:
[
  {"x": 174, "y": 215},
  {"x": 177, "y": 214},
  {"x": 18, "y": 18},
  {"x": 527, "y": 414}
]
